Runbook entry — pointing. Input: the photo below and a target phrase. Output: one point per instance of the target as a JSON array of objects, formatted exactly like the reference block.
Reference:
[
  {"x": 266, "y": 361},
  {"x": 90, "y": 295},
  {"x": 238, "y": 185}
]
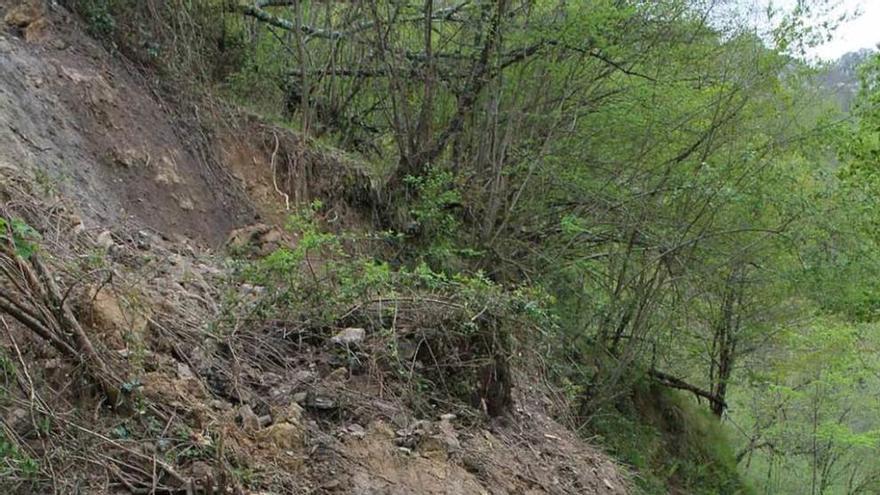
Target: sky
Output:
[
  {"x": 859, "y": 29},
  {"x": 860, "y": 32}
]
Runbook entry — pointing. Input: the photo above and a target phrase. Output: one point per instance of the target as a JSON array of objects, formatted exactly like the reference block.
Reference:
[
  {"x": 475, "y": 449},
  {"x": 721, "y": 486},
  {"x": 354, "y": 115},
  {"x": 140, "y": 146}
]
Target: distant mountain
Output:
[{"x": 841, "y": 77}]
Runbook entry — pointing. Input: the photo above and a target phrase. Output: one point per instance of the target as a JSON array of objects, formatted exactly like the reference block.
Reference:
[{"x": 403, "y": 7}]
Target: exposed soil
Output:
[
  {"x": 78, "y": 119},
  {"x": 280, "y": 172}
]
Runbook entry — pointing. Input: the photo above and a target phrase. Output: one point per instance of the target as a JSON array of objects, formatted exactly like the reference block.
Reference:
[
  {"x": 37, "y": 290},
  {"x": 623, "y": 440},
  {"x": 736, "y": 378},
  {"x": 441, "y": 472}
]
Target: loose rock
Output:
[
  {"x": 23, "y": 15},
  {"x": 355, "y": 430},
  {"x": 250, "y": 422},
  {"x": 285, "y": 436},
  {"x": 349, "y": 337}
]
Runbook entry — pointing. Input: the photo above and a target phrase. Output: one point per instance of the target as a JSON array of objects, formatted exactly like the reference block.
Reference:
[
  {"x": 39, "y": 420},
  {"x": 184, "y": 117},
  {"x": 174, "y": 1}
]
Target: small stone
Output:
[
  {"x": 355, "y": 430},
  {"x": 349, "y": 337},
  {"x": 59, "y": 44},
  {"x": 52, "y": 364},
  {"x": 17, "y": 419},
  {"x": 118, "y": 323},
  {"x": 283, "y": 436},
  {"x": 434, "y": 447},
  {"x": 446, "y": 436},
  {"x": 269, "y": 379},
  {"x": 167, "y": 172},
  {"x": 293, "y": 413},
  {"x": 201, "y": 469},
  {"x": 145, "y": 240},
  {"x": 186, "y": 204},
  {"x": 330, "y": 485},
  {"x": 220, "y": 405},
  {"x": 381, "y": 429},
  {"x": 407, "y": 350},
  {"x": 105, "y": 240},
  {"x": 300, "y": 397},
  {"x": 202, "y": 476},
  {"x": 183, "y": 371},
  {"x": 259, "y": 239},
  {"x": 338, "y": 375},
  {"x": 319, "y": 402},
  {"x": 248, "y": 289},
  {"x": 250, "y": 422}
]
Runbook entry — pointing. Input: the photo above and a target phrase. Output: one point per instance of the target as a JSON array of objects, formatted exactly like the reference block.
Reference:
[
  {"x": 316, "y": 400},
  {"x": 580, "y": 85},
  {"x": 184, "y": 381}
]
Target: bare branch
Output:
[{"x": 670, "y": 381}]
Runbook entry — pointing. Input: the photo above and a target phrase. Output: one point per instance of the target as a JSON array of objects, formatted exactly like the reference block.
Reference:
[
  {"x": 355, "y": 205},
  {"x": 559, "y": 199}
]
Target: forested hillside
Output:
[{"x": 524, "y": 246}]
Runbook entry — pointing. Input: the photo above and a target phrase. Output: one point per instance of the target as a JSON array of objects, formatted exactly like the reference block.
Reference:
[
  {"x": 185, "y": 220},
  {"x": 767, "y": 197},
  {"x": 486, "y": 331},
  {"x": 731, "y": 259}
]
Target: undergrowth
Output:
[
  {"x": 471, "y": 327},
  {"x": 444, "y": 337},
  {"x": 670, "y": 441}
]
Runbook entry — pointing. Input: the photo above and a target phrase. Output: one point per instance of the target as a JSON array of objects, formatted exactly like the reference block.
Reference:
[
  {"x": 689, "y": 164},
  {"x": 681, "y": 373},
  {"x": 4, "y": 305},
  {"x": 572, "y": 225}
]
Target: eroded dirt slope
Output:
[{"x": 79, "y": 119}]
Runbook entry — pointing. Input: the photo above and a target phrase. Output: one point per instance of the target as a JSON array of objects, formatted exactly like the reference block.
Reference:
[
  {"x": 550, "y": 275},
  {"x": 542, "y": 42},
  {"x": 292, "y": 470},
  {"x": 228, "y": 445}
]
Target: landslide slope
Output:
[
  {"x": 111, "y": 196},
  {"x": 82, "y": 120}
]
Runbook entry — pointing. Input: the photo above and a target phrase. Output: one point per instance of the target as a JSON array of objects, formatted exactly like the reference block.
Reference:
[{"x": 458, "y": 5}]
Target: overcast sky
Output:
[{"x": 861, "y": 32}]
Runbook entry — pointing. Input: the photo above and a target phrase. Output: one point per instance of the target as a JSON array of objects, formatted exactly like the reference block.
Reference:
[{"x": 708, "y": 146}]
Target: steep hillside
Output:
[
  {"x": 87, "y": 124},
  {"x": 139, "y": 355}
]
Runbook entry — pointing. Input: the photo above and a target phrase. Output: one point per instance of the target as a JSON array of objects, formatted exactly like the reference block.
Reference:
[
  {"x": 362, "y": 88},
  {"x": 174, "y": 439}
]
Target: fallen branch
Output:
[
  {"x": 261, "y": 15},
  {"x": 670, "y": 381},
  {"x": 258, "y": 12},
  {"x": 47, "y": 314}
]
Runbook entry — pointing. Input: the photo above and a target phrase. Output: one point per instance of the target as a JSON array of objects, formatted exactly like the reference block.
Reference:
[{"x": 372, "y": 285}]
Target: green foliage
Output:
[
  {"x": 672, "y": 442},
  {"x": 434, "y": 212},
  {"x": 99, "y": 15},
  {"x": 21, "y": 235},
  {"x": 14, "y": 463},
  {"x": 184, "y": 40},
  {"x": 462, "y": 327},
  {"x": 664, "y": 184},
  {"x": 812, "y": 405},
  {"x": 435, "y": 195},
  {"x": 318, "y": 273}
]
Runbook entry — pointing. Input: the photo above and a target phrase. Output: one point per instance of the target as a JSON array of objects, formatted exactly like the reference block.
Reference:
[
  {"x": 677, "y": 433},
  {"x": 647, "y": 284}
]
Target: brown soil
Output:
[
  {"x": 82, "y": 120},
  {"x": 280, "y": 172},
  {"x": 79, "y": 119}
]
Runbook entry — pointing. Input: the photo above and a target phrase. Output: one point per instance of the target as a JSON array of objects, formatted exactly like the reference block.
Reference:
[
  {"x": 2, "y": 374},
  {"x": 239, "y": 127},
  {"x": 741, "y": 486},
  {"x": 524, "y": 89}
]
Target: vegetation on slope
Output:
[{"x": 699, "y": 218}]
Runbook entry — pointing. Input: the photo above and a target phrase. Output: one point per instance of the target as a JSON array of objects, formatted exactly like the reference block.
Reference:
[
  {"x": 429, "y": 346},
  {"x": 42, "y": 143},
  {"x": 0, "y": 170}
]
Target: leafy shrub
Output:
[
  {"x": 14, "y": 463},
  {"x": 671, "y": 442},
  {"x": 458, "y": 331}
]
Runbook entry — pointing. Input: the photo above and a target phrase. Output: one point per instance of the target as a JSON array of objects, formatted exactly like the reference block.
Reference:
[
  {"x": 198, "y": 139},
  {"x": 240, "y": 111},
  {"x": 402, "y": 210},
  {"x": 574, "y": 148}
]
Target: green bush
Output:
[{"x": 673, "y": 443}]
